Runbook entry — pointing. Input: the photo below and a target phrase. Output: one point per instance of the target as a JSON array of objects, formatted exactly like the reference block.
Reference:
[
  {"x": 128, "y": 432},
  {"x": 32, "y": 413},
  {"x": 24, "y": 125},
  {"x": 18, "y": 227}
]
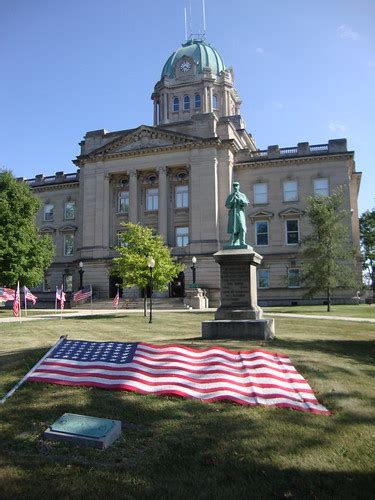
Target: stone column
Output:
[
  {"x": 209, "y": 98},
  {"x": 163, "y": 204},
  {"x": 165, "y": 108},
  {"x": 204, "y": 103},
  {"x": 155, "y": 112},
  {"x": 133, "y": 197}
]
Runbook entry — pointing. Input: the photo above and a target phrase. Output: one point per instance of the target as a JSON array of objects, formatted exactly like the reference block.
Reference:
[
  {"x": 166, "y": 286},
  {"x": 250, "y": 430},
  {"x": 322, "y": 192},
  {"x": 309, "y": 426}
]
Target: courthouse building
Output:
[{"x": 175, "y": 176}]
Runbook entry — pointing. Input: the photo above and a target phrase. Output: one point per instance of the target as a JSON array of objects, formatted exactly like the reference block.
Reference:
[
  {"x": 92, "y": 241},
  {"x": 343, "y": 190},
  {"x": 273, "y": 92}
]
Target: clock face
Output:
[{"x": 185, "y": 66}]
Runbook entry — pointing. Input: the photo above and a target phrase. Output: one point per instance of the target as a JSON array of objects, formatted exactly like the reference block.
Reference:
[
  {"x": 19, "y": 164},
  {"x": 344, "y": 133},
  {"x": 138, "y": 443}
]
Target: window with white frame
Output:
[
  {"x": 70, "y": 210},
  {"x": 290, "y": 190},
  {"x": 182, "y": 236},
  {"x": 48, "y": 211},
  {"x": 186, "y": 103},
  {"x": 197, "y": 101},
  {"x": 123, "y": 202},
  {"x": 68, "y": 244},
  {"x": 292, "y": 231},
  {"x": 176, "y": 104},
  {"x": 293, "y": 278},
  {"x": 321, "y": 187},
  {"x": 182, "y": 196},
  {"x": 261, "y": 233},
  {"x": 260, "y": 191},
  {"x": 152, "y": 199},
  {"x": 263, "y": 278}
]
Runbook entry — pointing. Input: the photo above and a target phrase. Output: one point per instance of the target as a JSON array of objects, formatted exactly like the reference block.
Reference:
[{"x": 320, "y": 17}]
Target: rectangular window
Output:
[
  {"x": 263, "y": 278},
  {"x": 68, "y": 283},
  {"x": 120, "y": 242},
  {"x": 261, "y": 233},
  {"x": 123, "y": 202},
  {"x": 48, "y": 211},
  {"x": 321, "y": 187},
  {"x": 68, "y": 244},
  {"x": 292, "y": 232},
  {"x": 182, "y": 196},
  {"x": 182, "y": 236},
  {"x": 70, "y": 210},
  {"x": 293, "y": 278},
  {"x": 260, "y": 191},
  {"x": 152, "y": 199},
  {"x": 290, "y": 189}
]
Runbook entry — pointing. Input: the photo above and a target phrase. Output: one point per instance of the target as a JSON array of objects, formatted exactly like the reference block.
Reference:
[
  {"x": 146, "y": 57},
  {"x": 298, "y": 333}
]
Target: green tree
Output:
[
  {"x": 24, "y": 253},
  {"x": 139, "y": 243},
  {"x": 367, "y": 235},
  {"x": 328, "y": 257}
]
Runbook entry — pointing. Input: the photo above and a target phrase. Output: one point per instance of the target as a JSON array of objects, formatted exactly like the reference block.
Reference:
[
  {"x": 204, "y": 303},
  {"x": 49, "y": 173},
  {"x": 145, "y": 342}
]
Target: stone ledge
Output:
[{"x": 261, "y": 329}]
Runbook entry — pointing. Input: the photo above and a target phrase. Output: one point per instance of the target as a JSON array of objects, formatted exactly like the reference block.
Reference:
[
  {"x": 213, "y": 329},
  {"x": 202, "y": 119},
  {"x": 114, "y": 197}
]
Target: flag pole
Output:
[
  {"x": 61, "y": 301},
  {"x": 18, "y": 385},
  {"x": 56, "y": 300},
  {"x": 24, "y": 294},
  {"x": 91, "y": 298},
  {"x": 19, "y": 303}
]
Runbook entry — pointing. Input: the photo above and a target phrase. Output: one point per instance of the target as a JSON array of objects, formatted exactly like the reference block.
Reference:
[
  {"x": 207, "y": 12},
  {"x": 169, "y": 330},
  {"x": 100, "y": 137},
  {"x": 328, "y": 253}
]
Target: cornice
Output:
[
  {"x": 201, "y": 144},
  {"x": 55, "y": 187},
  {"x": 276, "y": 162}
]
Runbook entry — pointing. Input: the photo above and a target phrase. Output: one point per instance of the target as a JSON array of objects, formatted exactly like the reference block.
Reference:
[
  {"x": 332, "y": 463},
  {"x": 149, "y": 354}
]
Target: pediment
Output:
[
  {"x": 261, "y": 215},
  {"x": 291, "y": 212},
  {"x": 143, "y": 138},
  {"x": 68, "y": 229}
]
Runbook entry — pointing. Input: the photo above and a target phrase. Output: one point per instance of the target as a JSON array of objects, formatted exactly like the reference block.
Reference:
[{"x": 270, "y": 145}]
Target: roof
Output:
[{"x": 203, "y": 54}]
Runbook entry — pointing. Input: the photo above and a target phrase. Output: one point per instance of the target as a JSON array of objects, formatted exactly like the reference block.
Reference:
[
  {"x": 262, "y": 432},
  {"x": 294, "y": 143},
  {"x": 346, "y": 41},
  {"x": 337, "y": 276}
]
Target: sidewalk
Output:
[{"x": 103, "y": 312}]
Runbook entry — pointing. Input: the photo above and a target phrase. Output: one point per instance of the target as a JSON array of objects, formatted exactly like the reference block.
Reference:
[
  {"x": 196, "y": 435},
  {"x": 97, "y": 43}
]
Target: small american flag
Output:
[
  {"x": 255, "y": 377},
  {"x": 6, "y": 294},
  {"x": 29, "y": 295},
  {"x": 116, "y": 300},
  {"x": 83, "y": 294},
  {"x": 60, "y": 295},
  {"x": 16, "y": 302}
]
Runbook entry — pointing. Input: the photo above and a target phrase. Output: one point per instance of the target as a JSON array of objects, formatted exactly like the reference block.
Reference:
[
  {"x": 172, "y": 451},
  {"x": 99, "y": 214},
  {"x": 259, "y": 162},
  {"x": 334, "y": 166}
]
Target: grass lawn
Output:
[
  {"x": 175, "y": 448},
  {"x": 355, "y": 311}
]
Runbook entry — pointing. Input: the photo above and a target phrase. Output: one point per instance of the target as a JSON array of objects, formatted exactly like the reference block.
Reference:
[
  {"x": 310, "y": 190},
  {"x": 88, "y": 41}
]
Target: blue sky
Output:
[{"x": 305, "y": 71}]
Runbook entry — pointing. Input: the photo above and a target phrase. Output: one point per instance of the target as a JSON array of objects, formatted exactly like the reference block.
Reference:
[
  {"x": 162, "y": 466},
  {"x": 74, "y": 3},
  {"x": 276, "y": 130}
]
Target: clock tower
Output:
[{"x": 194, "y": 80}]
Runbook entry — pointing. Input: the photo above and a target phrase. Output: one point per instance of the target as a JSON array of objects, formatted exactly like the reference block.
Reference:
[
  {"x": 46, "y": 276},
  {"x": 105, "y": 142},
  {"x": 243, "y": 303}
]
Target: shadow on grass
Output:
[
  {"x": 207, "y": 451},
  {"x": 361, "y": 351}
]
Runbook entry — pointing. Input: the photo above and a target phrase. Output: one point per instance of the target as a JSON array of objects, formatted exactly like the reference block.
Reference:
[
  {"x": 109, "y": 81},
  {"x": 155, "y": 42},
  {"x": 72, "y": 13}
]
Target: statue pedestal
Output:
[{"x": 239, "y": 316}]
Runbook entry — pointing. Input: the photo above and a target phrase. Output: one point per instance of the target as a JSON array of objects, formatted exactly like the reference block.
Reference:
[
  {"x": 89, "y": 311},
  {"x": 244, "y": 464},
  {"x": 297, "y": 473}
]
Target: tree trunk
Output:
[
  {"x": 328, "y": 299},
  {"x": 145, "y": 303}
]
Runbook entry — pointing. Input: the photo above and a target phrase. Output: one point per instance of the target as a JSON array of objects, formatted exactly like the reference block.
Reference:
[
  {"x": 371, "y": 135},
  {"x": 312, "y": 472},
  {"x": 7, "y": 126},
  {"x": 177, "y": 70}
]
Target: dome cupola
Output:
[{"x": 200, "y": 52}]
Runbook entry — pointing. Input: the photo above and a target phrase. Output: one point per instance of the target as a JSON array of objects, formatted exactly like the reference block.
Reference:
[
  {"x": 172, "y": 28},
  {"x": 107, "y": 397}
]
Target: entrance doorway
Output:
[
  {"x": 177, "y": 286},
  {"x": 112, "y": 286}
]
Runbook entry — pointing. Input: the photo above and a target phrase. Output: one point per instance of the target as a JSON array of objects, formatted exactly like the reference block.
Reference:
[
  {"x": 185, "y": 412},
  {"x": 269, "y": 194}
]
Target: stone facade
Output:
[{"x": 175, "y": 177}]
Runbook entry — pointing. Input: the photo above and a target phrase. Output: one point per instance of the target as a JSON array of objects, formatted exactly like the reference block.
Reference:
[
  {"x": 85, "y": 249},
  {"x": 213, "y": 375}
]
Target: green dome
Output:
[{"x": 201, "y": 52}]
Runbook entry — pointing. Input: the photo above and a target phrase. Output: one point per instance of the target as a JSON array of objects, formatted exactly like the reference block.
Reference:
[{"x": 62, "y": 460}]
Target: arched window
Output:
[
  {"x": 176, "y": 104},
  {"x": 214, "y": 102},
  {"x": 186, "y": 103},
  {"x": 197, "y": 101}
]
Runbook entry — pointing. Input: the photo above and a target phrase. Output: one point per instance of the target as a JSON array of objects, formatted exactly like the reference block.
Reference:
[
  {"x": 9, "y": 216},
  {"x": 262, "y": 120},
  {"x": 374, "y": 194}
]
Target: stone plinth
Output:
[
  {"x": 195, "y": 298},
  {"x": 239, "y": 315}
]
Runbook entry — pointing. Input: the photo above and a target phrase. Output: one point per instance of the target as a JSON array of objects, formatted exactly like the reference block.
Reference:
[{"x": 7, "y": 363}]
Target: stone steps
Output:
[{"x": 135, "y": 303}]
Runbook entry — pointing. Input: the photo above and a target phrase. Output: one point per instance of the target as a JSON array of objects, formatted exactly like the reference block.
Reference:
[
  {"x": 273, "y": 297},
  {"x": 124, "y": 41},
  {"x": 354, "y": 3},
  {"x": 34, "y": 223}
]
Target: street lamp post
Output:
[
  {"x": 151, "y": 265},
  {"x": 194, "y": 269},
  {"x": 81, "y": 271}
]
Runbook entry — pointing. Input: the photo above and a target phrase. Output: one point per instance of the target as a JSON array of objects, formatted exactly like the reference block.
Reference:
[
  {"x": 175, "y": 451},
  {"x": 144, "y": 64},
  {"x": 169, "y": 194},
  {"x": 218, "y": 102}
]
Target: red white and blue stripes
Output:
[{"x": 255, "y": 377}]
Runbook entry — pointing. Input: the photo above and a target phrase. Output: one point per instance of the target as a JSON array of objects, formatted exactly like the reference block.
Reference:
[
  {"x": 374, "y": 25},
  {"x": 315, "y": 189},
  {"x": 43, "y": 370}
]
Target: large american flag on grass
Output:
[{"x": 255, "y": 377}]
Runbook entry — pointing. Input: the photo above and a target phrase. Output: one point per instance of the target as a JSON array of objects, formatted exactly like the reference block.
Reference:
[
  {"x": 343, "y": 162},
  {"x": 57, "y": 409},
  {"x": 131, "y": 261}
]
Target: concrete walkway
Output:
[{"x": 109, "y": 312}]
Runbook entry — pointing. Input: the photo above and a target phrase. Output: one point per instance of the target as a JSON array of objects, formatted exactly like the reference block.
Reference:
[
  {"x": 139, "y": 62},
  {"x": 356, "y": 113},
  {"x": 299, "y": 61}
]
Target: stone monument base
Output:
[{"x": 258, "y": 329}]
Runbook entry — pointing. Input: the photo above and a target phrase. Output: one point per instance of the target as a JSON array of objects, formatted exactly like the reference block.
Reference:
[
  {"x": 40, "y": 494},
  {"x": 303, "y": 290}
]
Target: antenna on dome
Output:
[
  {"x": 185, "y": 25},
  {"x": 204, "y": 18}
]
